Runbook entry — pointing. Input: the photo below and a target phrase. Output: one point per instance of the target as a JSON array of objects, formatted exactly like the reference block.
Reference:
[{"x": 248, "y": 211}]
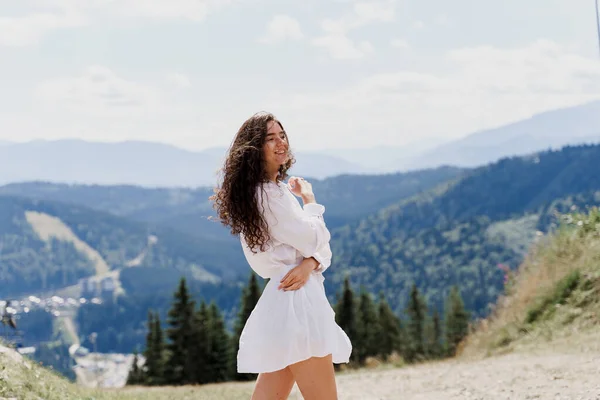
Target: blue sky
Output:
[{"x": 338, "y": 73}]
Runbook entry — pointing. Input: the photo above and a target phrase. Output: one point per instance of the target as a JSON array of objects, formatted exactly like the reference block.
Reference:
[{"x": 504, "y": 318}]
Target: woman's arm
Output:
[{"x": 303, "y": 229}]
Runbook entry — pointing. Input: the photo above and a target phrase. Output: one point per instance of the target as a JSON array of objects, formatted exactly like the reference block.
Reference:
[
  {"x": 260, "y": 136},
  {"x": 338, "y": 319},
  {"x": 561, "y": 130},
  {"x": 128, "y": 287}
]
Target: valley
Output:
[{"x": 432, "y": 228}]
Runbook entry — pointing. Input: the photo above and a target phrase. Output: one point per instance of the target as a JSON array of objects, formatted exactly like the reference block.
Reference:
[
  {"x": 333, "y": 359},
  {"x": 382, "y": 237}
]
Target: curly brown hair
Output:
[{"x": 244, "y": 170}]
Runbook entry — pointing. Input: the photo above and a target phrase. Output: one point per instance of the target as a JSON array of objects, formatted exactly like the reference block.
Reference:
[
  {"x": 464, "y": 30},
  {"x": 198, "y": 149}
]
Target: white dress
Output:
[{"x": 286, "y": 327}]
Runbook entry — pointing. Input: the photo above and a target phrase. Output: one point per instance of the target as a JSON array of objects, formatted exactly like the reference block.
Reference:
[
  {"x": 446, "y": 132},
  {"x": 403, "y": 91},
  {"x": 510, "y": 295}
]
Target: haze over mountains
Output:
[
  {"x": 154, "y": 164},
  {"x": 549, "y": 130},
  {"x": 134, "y": 162}
]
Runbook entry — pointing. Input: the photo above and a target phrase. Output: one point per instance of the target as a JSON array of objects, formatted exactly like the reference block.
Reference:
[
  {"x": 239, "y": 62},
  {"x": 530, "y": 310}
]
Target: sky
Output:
[{"x": 337, "y": 73}]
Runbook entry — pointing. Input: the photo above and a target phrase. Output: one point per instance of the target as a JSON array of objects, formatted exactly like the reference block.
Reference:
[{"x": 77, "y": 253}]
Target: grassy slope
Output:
[
  {"x": 554, "y": 295},
  {"x": 23, "y": 379}
]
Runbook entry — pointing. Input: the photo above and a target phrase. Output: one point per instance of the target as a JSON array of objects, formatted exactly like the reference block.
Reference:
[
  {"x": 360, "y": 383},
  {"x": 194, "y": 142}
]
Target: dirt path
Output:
[
  {"x": 566, "y": 369},
  {"x": 509, "y": 377},
  {"x": 518, "y": 376}
]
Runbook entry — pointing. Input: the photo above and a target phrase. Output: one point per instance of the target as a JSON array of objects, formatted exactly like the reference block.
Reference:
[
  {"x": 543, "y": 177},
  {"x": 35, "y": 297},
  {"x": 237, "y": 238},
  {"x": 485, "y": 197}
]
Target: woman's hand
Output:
[
  {"x": 302, "y": 188},
  {"x": 298, "y": 276}
]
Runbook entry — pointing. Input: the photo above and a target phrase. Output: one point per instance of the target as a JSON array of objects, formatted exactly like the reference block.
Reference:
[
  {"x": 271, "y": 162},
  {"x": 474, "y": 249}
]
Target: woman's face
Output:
[{"x": 275, "y": 149}]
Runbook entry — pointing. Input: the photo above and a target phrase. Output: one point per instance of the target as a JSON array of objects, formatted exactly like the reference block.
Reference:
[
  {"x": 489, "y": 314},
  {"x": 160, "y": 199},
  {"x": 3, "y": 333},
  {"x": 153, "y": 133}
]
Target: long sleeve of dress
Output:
[{"x": 302, "y": 228}]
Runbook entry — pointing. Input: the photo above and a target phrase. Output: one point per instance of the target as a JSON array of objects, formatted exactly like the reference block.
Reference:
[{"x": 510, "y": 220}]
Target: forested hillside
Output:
[
  {"x": 347, "y": 197},
  {"x": 434, "y": 229},
  {"x": 30, "y": 263},
  {"x": 461, "y": 232}
]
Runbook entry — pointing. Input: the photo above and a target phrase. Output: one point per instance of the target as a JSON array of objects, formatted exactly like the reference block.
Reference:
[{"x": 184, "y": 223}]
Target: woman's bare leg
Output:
[
  {"x": 274, "y": 385},
  {"x": 315, "y": 378}
]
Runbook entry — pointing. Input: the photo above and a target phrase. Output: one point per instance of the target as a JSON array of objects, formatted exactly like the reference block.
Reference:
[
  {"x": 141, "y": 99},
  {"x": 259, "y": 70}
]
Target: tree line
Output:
[{"x": 196, "y": 348}]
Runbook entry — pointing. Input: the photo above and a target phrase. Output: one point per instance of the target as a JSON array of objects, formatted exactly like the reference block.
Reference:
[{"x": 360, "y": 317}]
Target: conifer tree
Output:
[
  {"x": 180, "y": 366},
  {"x": 367, "y": 327},
  {"x": 390, "y": 336},
  {"x": 433, "y": 336},
  {"x": 250, "y": 296},
  {"x": 135, "y": 376},
  {"x": 428, "y": 339},
  {"x": 201, "y": 347},
  {"x": 346, "y": 313},
  {"x": 154, "y": 352},
  {"x": 416, "y": 311},
  {"x": 148, "y": 351},
  {"x": 457, "y": 320},
  {"x": 437, "y": 348},
  {"x": 219, "y": 349},
  {"x": 346, "y": 310},
  {"x": 158, "y": 351}
]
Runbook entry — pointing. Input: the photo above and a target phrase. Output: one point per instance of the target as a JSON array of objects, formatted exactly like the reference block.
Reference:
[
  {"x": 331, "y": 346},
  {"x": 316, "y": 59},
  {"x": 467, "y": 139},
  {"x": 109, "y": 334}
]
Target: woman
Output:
[{"x": 291, "y": 335}]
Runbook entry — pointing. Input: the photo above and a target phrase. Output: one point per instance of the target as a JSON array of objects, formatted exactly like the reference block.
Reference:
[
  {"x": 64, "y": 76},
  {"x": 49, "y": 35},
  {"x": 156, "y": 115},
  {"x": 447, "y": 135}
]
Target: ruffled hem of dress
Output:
[{"x": 250, "y": 370}]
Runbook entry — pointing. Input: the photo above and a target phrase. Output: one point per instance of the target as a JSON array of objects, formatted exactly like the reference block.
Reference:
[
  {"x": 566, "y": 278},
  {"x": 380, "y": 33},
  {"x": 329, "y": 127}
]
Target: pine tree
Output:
[
  {"x": 346, "y": 313},
  {"x": 457, "y": 320},
  {"x": 250, "y": 296},
  {"x": 219, "y": 349},
  {"x": 148, "y": 351},
  {"x": 428, "y": 337},
  {"x": 135, "y": 376},
  {"x": 201, "y": 349},
  {"x": 367, "y": 328},
  {"x": 437, "y": 348},
  {"x": 180, "y": 366},
  {"x": 416, "y": 311},
  {"x": 154, "y": 352},
  {"x": 158, "y": 345},
  {"x": 390, "y": 336}
]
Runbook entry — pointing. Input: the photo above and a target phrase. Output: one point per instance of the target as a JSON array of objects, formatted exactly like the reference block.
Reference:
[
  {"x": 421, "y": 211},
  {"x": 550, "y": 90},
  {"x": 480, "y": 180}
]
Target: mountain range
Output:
[
  {"x": 151, "y": 164},
  {"x": 430, "y": 227},
  {"x": 433, "y": 228},
  {"x": 549, "y": 130},
  {"x": 53, "y": 235}
]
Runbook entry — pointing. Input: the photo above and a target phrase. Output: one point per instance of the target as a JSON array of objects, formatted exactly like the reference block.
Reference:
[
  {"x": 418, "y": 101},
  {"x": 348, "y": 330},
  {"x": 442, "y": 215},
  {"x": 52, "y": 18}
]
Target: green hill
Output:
[
  {"x": 553, "y": 295},
  {"x": 22, "y": 379},
  {"x": 49, "y": 245},
  {"x": 434, "y": 228},
  {"x": 347, "y": 197},
  {"x": 460, "y": 232}
]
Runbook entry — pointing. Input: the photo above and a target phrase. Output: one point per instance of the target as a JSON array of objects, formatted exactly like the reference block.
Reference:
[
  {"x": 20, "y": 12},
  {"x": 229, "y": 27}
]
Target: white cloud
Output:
[
  {"x": 483, "y": 88},
  {"x": 63, "y": 14},
  {"x": 363, "y": 13},
  {"x": 340, "y": 47},
  {"x": 419, "y": 25},
  {"x": 195, "y": 10},
  {"x": 281, "y": 28},
  {"x": 335, "y": 39},
  {"x": 399, "y": 43},
  {"x": 179, "y": 80},
  {"x": 27, "y": 30},
  {"x": 102, "y": 104},
  {"x": 442, "y": 20},
  {"x": 98, "y": 91}
]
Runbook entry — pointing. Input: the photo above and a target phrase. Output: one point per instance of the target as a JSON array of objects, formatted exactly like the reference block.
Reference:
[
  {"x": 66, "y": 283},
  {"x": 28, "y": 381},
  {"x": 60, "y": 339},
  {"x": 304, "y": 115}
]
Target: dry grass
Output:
[{"x": 556, "y": 291}]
